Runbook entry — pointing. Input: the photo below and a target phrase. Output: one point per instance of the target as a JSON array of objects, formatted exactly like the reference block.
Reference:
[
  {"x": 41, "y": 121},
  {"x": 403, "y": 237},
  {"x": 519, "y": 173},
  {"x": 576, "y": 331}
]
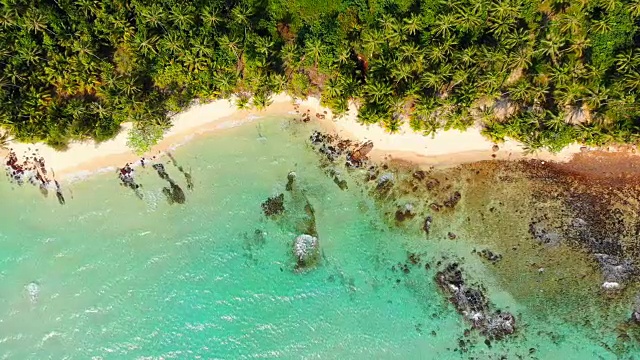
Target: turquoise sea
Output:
[{"x": 116, "y": 277}]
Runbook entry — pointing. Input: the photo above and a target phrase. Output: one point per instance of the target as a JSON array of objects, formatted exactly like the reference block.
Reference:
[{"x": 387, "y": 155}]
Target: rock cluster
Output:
[
  {"x": 332, "y": 147},
  {"x": 305, "y": 250},
  {"x": 274, "y": 205},
  {"x": 174, "y": 193},
  {"x": 615, "y": 271},
  {"x": 471, "y": 303}
]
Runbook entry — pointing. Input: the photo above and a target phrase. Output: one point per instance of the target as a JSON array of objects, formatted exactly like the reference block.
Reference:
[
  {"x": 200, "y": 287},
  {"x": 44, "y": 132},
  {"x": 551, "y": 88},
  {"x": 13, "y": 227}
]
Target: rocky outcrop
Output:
[
  {"x": 490, "y": 255},
  {"x": 453, "y": 200},
  {"x": 299, "y": 218},
  {"x": 174, "y": 193},
  {"x": 473, "y": 305},
  {"x": 615, "y": 271},
  {"x": 426, "y": 227},
  {"x": 126, "y": 175},
  {"x": 357, "y": 157},
  {"x": 406, "y": 212},
  {"x": 333, "y": 148},
  {"x": 306, "y": 251}
]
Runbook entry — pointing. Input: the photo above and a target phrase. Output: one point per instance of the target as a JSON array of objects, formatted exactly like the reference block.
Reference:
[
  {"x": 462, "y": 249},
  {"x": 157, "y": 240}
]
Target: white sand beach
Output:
[{"x": 446, "y": 148}]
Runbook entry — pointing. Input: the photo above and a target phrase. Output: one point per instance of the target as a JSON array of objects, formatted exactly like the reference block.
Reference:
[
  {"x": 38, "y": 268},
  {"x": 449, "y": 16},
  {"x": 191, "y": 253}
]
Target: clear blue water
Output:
[{"x": 121, "y": 278}]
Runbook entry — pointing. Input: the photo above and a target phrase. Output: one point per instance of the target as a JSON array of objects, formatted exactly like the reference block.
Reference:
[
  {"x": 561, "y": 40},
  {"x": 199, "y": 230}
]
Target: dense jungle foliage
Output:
[{"x": 544, "y": 72}]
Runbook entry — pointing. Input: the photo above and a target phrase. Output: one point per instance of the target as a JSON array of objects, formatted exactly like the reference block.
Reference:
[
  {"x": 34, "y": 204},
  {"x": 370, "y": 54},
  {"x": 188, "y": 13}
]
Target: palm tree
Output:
[
  {"x": 634, "y": 8},
  {"x": 412, "y": 24},
  {"x": 153, "y": 15},
  {"x": 444, "y": 25},
  {"x": 261, "y": 100},
  {"x": 332, "y": 88},
  {"x": 378, "y": 91},
  {"x": 632, "y": 80},
  {"x": 210, "y": 17},
  {"x": 627, "y": 60},
  {"x": 601, "y": 26},
  {"x": 181, "y": 16},
  {"x": 314, "y": 49},
  {"x": 551, "y": 47},
  {"x": 372, "y": 41},
  {"x": 579, "y": 44},
  {"x": 5, "y": 140},
  {"x": 241, "y": 16}
]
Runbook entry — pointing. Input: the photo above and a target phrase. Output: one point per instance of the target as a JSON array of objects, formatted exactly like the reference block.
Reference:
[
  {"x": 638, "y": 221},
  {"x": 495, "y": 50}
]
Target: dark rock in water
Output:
[
  {"x": 432, "y": 184},
  {"x": 490, "y": 255},
  {"x": 337, "y": 179},
  {"x": 361, "y": 152},
  {"x": 273, "y": 205},
  {"x": 291, "y": 177},
  {"x": 174, "y": 193},
  {"x": 60, "y": 198},
  {"x": 44, "y": 190},
  {"x": 342, "y": 184},
  {"x": 453, "y": 200},
  {"x": 615, "y": 271},
  {"x": 419, "y": 175},
  {"x": 635, "y": 315},
  {"x": 427, "y": 224},
  {"x": 357, "y": 157},
  {"x": 452, "y": 236},
  {"x": 161, "y": 171},
  {"x": 471, "y": 303},
  {"x": 385, "y": 182},
  {"x": 59, "y": 193},
  {"x": 405, "y": 213}
]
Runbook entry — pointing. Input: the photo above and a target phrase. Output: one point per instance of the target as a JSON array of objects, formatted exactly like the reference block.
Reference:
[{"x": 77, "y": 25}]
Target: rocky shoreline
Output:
[{"x": 545, "y": 211}]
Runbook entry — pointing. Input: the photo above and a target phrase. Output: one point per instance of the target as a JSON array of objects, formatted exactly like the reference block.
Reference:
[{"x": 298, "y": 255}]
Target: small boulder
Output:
[{"x": 305, "y": 250}]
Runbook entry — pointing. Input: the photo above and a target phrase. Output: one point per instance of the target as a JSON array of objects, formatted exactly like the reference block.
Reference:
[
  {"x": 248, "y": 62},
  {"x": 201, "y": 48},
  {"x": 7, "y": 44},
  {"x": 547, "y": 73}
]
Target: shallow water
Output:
[{"x": 121, "y": 278}]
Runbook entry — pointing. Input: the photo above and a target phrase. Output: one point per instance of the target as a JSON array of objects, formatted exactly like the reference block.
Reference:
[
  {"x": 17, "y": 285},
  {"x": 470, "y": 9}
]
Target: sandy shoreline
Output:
[{"x": 447, "y": 148}]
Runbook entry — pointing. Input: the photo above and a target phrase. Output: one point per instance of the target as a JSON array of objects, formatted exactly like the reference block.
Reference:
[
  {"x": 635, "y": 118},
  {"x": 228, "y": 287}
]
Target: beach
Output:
[{"x": 446, "y": 148}]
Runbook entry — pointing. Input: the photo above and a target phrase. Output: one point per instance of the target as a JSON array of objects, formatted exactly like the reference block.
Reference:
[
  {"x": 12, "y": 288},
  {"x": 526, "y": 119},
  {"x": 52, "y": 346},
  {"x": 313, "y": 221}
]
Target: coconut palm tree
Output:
[{"x": 5, "y": 140}]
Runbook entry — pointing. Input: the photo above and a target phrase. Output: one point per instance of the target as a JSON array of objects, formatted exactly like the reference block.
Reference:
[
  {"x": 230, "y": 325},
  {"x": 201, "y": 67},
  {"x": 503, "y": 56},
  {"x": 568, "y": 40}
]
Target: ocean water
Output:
[{"x": 110, "y": 276}]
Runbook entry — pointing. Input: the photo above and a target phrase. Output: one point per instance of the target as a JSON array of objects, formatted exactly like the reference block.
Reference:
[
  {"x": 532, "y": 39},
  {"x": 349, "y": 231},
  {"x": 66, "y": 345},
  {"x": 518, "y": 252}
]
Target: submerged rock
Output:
[
  {"x": 306, "y": 250},
  {"x": 385, "y": 182},
  {"x": 615, "y": 271},
  {"x": 357, "y": 157},
  {"x": 427, "y": 224},
  {"x": 405, "y": 213},
  {"x": 291, "y": 178},
  {"x": 473, "y": 305},
  {"x": 274, "y": 205},
  {"x": 490, "y": 255},
  {"x": 174, "y": 194},
  {"x": 453, "y": 200},
  {"x": 635, "y": 315},
  {"x": 33, "y": 290}
]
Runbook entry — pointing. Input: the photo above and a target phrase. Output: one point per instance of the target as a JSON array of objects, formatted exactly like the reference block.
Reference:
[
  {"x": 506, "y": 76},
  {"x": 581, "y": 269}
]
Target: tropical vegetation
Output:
[{"x": 545, "y": 72}]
